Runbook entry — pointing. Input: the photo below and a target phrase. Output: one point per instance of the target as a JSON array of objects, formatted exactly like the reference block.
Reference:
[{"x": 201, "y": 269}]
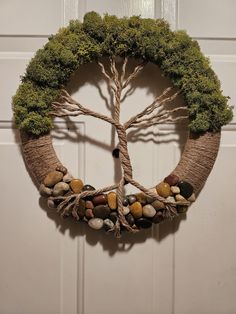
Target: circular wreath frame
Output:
[{"x": 177, "y": 55}]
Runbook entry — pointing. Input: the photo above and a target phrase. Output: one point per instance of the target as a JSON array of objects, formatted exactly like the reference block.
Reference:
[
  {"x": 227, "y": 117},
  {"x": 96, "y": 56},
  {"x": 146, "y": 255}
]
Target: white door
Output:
[{"x": 51, "y": 266}]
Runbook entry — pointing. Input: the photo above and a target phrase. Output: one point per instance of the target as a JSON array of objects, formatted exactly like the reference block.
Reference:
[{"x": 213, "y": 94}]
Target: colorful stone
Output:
[
  {"x": 172, "y": 179},
  {"x": 192, "y": 198},
  {"x": 89, "y": 204},
  {"x": 158, "y": 218},
  {"x": 131, "y": 199},
  {"x": 158, "y": 205},
  {"x": 170, "y": 199},
  {"x": 180, "y": 198},
  {"x": 67, "y": 178},
  {"x": 45, "y": 191},
  {"x": 130, "y": 219},
  {"x": 125, "y": 201},
  {"x": 60, "y": 189},
  {"x": 112, "y": 200},
  {"x": 89, "y": 213},
  {"x": 81, "y": 208},
  {"x": 143, "y": 223},
  {"x": 182, "y": 209},
  {"x": 186, "y": 189},
  {"x": 141, "y": 198},
  {"x": 96, "y": 223},
  {"x": 101, "y": 211},
  {"x": 149, "y": 211},
  {"x": 136, "y": 209},
  {"x": 87, "y": 187},
  {"x": 108, "y": 224},
  {"x": 175, "y": 189},
  {"x": 100, "y": 199},
  {"x": 163, "y": 189},
  {"x": 53, "y": 178},
  {"x": 113, "y": 217},
  {"x": 125, "y": 210},
  {"x": 76, "y": 185}
]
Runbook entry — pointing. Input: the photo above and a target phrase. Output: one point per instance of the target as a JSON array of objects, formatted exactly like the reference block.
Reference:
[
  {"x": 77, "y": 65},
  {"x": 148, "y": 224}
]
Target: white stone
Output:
[
  {"x": 96, "y": 223},
  {"x": 192, "y": 198},
  {"x": 60, "y": 189},
  {"x": 108, "y": 223},
  {"x": 149, "y": 211},
  {"x": 179, "y": 198},
  {"x": 175, "y": 189},
  {"x": 125, "y": 210},
  {"x": 67, "y": 178},
  {"x": 170, "y": 199}
]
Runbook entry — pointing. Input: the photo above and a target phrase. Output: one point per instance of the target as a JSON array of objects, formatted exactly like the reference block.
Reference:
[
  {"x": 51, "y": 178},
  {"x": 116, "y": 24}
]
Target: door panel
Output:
[{"x": 52, "y": 266}]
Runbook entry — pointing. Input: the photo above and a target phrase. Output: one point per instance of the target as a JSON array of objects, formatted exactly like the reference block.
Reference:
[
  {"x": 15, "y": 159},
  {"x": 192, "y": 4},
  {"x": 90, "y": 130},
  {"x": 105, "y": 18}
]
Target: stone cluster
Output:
[{"x": 100, "y": 211}]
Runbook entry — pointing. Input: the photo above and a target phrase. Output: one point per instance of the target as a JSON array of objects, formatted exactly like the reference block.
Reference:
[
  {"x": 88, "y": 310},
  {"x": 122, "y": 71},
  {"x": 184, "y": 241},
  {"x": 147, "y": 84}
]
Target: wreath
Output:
[{"x": 42, "y": 95}]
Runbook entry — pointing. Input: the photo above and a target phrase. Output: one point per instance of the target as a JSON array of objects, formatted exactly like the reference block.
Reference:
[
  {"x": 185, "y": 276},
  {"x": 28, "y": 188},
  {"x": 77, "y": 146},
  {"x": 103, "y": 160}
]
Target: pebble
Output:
[
  {"x": 108, "y": 224},
  {"x": 53, "y": 178},
  {"x": 88, "y": 187},
  {"x": 100, "y": 199},
  {"x": 149, "y": 211},
  {"x": 81, "y": 208},
  {"x": 141, "y": 198},
  {"x": 192, "y": 198},
  {"x": 181, "y": 209},
  {"x": 186, "y": 189},
  {"x": 125, "y": 210},
  {"x": 131, "y": 199},
  {"x": 60, "y": 188},
  {"x": 163, "y": 189},
  {"x": 175, "y": 189},
  {"x": 179, "y": 198},
  {"x": 51, "y": 203},
  {"x": 125, "y": 201},
  {"x": 172, "y": 179},
  {"x": 44, "y": 191},
  {"x": 158, "y": 205},
  {"x": 136, "y": 210},
  {"x": 170, "y": 199},
  {"x": 89, "y": 213},
  {"x": 96, "y": 223},
  {"x": 61, "y": 169},
  {"x": 158, "y": 218},
  {"x": 112, "y": 200},
  {"x": 130, "y": 219},
  {"x": 101, "y": 211},
  {"x": 67, "y": 178},
  {"x": 143, "y": 223},
  {"x": 76, "y": 185},
  {"x": 113, "y": 217},
  {"x": 89, "y": 204}
]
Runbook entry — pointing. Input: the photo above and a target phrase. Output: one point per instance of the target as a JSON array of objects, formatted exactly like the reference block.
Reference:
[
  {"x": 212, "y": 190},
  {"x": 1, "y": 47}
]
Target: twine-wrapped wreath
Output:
[{"x": 42, "y": 95}]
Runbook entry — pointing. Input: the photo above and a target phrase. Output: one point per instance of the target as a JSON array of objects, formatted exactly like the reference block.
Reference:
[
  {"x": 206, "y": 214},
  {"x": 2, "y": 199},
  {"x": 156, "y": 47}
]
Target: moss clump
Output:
[{"x": 176, "y": 53}]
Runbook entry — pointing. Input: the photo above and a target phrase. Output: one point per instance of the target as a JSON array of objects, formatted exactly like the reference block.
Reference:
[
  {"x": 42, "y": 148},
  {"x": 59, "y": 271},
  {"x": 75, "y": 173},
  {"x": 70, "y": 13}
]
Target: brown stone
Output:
[
  {"x": 100, "y": 199},
  {"x": 163, "y": 189},
  {"x": 89, "y": 204},
  {"x": 141, "y": 198},
  {"x": 136, "y": 210},
  {"x": 76, "y": 185},
  {"x": 89, "y": 213},
  {"x": 101, "y": 211},
  {"x": 81, "y": 208},
  {"x": 112, "y": 200},
  {"x": 172, "y": 179},
  {"x": 52, "y": 178},
  {"x": 158, "y": 205}
]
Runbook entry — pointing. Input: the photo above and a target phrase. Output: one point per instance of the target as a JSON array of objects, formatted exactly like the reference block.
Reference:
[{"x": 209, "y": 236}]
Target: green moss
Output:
[{"x": 178, "y": 56}]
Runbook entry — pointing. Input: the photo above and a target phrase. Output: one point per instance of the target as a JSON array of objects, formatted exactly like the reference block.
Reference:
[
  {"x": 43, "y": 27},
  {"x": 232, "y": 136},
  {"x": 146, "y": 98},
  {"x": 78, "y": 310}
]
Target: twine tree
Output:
[{"x": 153, "y": 114}]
